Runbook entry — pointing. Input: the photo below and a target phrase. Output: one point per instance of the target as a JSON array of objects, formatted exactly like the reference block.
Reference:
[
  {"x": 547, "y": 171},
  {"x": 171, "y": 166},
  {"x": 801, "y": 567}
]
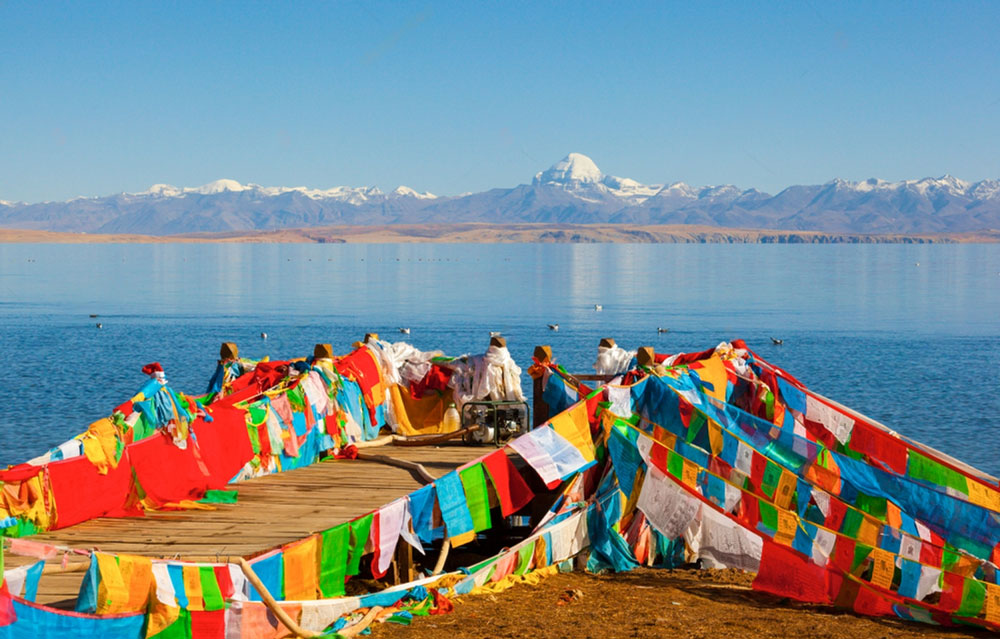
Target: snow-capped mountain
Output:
[{"x": 573, "y": 190}]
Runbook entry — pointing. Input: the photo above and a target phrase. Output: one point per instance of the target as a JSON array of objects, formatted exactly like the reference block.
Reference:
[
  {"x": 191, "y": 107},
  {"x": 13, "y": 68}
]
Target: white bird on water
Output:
[
  {"x": 662, "y": 330},
  {"x": 404, "y": 331},
  {"x": 263, "y": 335},
  {"x": 598, "y": 307},
  {"x": 553, "y": 327},
  {"x": 99, "y": 325},
  {"x": 777, "y": 342}
]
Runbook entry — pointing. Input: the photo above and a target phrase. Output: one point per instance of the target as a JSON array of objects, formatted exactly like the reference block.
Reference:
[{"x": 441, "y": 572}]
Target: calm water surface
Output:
[{"x": 906, "y": 334}]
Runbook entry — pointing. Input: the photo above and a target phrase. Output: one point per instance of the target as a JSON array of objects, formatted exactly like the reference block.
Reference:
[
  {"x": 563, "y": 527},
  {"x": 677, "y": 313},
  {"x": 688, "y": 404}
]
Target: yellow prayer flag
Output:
[
  {"x": 883, "y": 567},
  {"x": 574, "y": 426},
  {"x": 192, "y": 587},
  {"x": 112, "y": 592},
  {"x": 714, "y": 437},
  {"x": 984, "y": 496},
  {"x": 137, "y": 575},
  {"x": 787, "y": 524},
  {"x": 785, "y": 490},
  {"x": 462, "y": 539},
  {"x": 868, "y": 531},
  {"x": 992, "y": 607},
  {"x": 689, "y": 474},
  {"x": 713, "y": 372}
]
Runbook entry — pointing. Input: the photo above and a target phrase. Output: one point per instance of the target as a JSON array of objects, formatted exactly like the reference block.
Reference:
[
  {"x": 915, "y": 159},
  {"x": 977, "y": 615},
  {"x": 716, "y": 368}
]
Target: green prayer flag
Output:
[
  {"x": 874, "y": 506},
  {"x": 698, "y": 420},
  {"x": 360, "y": 531},
  {"x": 973, "y": 598},
  {"x": 179, "y": 629},
  {"x": 861, "y": 553},
  {"x": 675, "y": 464},
  {"x": 296, "y": 399},
  {"x": 768, "y": 515},
  {"x": 476, "y": 496},
  {"x": 210, "y": 591},
  {"x": 769, "y": 481},
  {"x": 920, "y": 467},
  {"x": 524, "y": 556},
  {"x": 949, "y": 556},
  {"x": 334, "y": 552},
  {"x": 852, "y": 523}
]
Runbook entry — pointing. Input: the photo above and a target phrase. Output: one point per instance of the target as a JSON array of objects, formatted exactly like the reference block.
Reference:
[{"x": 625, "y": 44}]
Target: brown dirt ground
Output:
[{"x": 688, "y": 604}]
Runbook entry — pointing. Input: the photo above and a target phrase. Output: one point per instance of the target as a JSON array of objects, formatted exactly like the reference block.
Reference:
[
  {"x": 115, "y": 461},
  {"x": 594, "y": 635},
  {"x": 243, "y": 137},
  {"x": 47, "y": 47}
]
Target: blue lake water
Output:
[{"x": 908, "y": 335}]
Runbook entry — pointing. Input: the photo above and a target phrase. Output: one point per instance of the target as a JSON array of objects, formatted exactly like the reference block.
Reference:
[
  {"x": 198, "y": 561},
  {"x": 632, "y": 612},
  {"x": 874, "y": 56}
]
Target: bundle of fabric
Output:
[
  {"x": 493, "y": 375},
  {"x": 613, "y": 360}
]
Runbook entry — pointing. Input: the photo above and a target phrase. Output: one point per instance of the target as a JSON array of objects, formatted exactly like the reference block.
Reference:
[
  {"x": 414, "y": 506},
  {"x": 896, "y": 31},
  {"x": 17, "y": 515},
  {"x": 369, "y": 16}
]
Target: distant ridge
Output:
[
  {"x": 506, "y": 233},
  {"x": 572, "y": 191}
]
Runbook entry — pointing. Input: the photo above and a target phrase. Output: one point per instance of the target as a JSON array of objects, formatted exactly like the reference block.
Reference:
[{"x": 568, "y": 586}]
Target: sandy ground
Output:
[
  {"x": 688, "y": 604},
  {"x": 493, "y": 233}
]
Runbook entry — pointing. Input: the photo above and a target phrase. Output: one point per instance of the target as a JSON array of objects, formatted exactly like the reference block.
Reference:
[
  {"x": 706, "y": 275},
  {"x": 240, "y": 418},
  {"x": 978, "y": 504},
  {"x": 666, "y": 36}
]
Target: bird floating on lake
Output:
[
  {"x": 263, "y": 335},
  {"x": 777, "y": 342},
  {"x": 404, "y": 331},
  {"x": 553, "y": 327},
  {"x": 662, "y": 330},
  {"x": 598, "y": 307},
  {"x": 99, "y": 325}
]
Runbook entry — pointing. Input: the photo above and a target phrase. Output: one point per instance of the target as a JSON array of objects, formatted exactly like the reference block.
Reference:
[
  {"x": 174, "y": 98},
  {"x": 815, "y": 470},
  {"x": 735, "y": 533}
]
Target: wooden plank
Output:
[{"x": 271, "y": 511}]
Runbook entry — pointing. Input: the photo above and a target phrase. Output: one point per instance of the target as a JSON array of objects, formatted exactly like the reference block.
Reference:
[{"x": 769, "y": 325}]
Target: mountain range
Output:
[{"x": 572, "y": 191}]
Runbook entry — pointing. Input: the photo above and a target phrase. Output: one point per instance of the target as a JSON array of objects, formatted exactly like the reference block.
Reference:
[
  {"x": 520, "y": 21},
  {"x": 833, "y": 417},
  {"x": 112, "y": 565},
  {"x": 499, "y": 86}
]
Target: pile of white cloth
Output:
[
  {"x": 612, "y": 360},
  {"x": 401, "y": 361},
  {"x": 493, "y": 375}
]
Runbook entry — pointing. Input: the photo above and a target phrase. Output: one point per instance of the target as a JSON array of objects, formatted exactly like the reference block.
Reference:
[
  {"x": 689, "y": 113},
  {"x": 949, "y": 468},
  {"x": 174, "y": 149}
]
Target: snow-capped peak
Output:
[
  {"x": 220, "y": 186},
  {"x": 574, "y": 168},
  {"x": 405, "y": 191},
  {"x": 164, "y": 190}
]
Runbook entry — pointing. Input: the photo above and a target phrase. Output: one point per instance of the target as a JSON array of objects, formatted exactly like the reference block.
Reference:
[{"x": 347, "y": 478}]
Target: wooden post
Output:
[
  {"x": 646, "y": 356},
  {"x": 229, "y": 351},
  {"x": 402, "y": 566},
  {"x": 323, "y": 351},
  {"x": 539, "y": 409}
]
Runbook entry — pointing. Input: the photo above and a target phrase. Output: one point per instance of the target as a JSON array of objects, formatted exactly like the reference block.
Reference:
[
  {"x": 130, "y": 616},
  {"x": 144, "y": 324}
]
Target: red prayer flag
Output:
[
  {"x": 511, "y": 489},
  {"x": 786, "y": 573},
  {"x": 208, "y": 624}
]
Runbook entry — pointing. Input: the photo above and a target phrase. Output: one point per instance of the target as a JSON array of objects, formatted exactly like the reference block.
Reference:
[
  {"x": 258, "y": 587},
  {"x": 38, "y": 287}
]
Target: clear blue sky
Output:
[{"x": 97, "y": 98}]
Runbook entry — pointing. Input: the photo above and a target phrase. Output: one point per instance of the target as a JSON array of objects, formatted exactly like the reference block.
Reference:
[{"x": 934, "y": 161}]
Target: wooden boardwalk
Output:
[{"x": 271, "y": 511}]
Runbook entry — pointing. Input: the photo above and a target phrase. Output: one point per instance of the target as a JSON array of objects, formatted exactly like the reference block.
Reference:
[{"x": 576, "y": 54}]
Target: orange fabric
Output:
[
  {"x": 192, "y": 587},
  {"x": 424, "y": 416},
  {"x": 112, "y": 591},
  {"x": 302, "y": 569}
]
